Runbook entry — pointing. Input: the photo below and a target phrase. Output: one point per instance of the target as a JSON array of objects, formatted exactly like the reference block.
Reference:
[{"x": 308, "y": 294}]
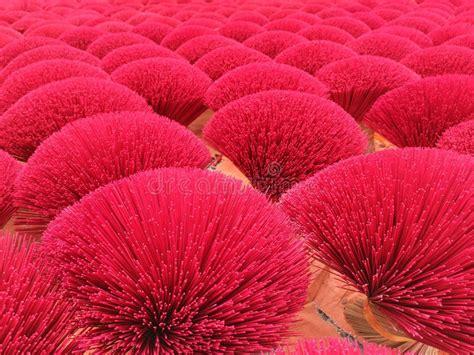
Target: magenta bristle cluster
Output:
[
  {"x": 209, "y": 19},
  {"x": 53, "y": 30},
  {"x": 24, "y": 23},
  {"x": 30, "y": 24},
  {"x": 5, "y": 39},
  {"x": 463, "y": 9},
  {"x": 211, "y": 13},
  {"x": 56, "y": 28},
  {"x": 229, "y": 277},
  {"x": 206, "y": 19},
  {"x": 151, "y": 17},
  {"x": 114, "y": 27},
  {"x": 414, "y": 35},
  {"x": 463, "y": 41},
  {"x": 9, "y": 32},
  {"x": 82, "y": 18},
  {"x": 289, "y": 25},
  {"x": 383, "y": 45},
  {"x": 174, "y": 88},
  {"x": 273, "y": 92},
  {"x": 356, "y": 7},
  {"x": 272, "y": 43},
  {"x": 467, "y": 17},
  {"x": 249, "y": 16},
  {"x": 94, "y": 151},
  {"x": 7, "y": 18},
  {"x": 123, "y": 55},
  {"x": 388, "y": 14},
  {"x": 415, "y": 115},
  {"x": 332, "y": 12},
  {"x": 204, "y": 22},
  {"x": 312, "y": 56},
  {"x": 184, "y": 15},
  {"x": 153, "y": 30},
  {"x": 314, "y": 7},
  {"x": 19, "y": 46},
  {"x": 439, "y": 60},
  {"x": 257, "y": 77},
  {"x": 334, "y": 346},
  {"x": 278, "y": 138},
  {"x": 371, "y": 19},
  {"x": 10, "y": 169},
  {"x": 445, "y": 33},
  {"x": 240, "y": 30},
  {"x": 32, "y": 76},
  {"x": 197, "y": 47},
  {"x": 282, "y": 13},
  {"x": 355, "y": 83},
  {"x": 35, "y": 318},
  {"x": 80, "y": 37},
  {"x": 43, "y": 111},
  {"x": 431, "y": 15},
  {"x": 419, "y": 23},
  {"x": 459, "y": 138},
  {"x": 224, "y": 59},
  {"x": 305, "y": 17},
  {"x": 183, "y": 34},
  {"x": 355, "y": 27},
  {"x": 108, "y": 42},
  {"x": 124, "y": 14},
  {"x": 328, "y": 33},
  {"x": 397, "y": 226},
  {"x": 45, "y": 53}
]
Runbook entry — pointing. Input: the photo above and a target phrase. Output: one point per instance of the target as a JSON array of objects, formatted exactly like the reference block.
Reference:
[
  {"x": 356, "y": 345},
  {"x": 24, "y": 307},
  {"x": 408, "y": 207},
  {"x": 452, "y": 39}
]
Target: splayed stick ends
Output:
[
  {"x": 253, "y": 78},
  {"x": 397, "y": 225},
  {"x": 278, "y": 138},
  {"x": 35, "y": 318},
  {"x": 94, "y": 151},
  {"x": 173, "y": 88},
  {"x": 45, "y": 110},
  {"x": 10, "y": 169},
  {"x": 355, "y": 83},
  {"x": 459, "y": 138},
  {"x": 417, "y": 114},
  {"x": 228, "y": 277},
  {"x": 32, "y": 76}
]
